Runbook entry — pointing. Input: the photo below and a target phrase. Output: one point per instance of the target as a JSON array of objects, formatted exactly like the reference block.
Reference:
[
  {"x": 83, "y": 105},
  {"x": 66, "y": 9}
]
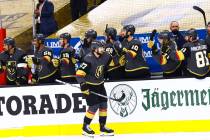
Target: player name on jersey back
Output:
[{"x": 198, "y": 48}]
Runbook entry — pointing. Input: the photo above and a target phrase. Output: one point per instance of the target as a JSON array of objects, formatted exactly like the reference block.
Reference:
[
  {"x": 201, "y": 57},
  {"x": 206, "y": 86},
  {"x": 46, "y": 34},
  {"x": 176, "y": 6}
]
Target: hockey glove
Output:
[
  {"x": 55, "y": 62},
  {"x": 180, "y": 55},
  {"x": 29, "y": 61},
  {"x": 163, "y": 60},
  {"x": 125, "y": 50},
  {"x": 74, "y": 61},
  {"x": 150, "y": 44},
  {"x": 84, "y": 88}
]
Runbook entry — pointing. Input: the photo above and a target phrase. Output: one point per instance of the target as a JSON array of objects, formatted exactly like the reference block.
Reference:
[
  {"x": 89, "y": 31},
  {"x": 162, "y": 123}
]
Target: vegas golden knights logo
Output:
[
  {"x": 99, "y": 71},
  {"x": 11, "y": 67}
]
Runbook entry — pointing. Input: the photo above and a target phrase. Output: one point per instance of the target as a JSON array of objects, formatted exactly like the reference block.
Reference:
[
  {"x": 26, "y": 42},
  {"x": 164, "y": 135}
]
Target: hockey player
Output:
[
  {"x": 45, "y": 65},
  {"x": 13, "y": 60},
  {"x": 196, "y": 54},
  {"x": 67, "y": 60},
  {"x": 90, "y": 75},
  {"x": 90, "y": 36},
  {"x": 168, "y": 56},
  {"x": 114, "y": 48},
  {"x": 135, "y": 66}
]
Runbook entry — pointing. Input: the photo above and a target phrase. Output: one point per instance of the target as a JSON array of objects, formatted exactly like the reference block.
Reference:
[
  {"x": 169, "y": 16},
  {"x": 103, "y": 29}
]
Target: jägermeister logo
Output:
[
  {"x": 127, "y": 106},
  {"x": 155, "y": 98}
]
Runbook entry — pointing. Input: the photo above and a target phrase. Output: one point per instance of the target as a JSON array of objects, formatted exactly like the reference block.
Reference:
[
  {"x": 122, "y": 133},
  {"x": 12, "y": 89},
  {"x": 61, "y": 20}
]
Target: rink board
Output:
[{"x": 150, "y": 106}]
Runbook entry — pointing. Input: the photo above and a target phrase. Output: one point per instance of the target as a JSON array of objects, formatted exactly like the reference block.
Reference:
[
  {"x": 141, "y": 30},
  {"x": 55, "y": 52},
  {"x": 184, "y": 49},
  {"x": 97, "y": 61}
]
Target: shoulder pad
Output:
[
  {"x": 136, "y": 41},
  {"x": 88, "y": 57},
  {"x": 47, "y": 49}
]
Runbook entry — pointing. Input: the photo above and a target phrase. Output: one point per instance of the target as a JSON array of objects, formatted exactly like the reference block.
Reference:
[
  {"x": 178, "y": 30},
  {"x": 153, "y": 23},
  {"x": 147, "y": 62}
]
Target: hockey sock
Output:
[
  {"x": 102, "y": 116},
  {"x": 90, "y": 114}
]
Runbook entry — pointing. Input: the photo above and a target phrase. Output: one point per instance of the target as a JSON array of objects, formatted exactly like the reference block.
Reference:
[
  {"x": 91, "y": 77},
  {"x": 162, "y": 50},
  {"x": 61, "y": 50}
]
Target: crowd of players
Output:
[{"x": 177, "y": 54}]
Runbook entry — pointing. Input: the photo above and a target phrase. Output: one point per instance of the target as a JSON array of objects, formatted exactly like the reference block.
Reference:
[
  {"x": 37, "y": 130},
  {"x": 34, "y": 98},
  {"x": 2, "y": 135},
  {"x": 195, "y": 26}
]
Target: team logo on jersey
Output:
[
  {"x": 126, "y": 106},
  {"x": 11, "y": 67},
  {"x": 99, "y": 71}
]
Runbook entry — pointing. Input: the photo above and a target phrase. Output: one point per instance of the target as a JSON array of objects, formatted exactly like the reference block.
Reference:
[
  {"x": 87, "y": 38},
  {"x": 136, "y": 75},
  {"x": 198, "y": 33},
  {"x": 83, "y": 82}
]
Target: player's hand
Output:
[
  {"x": 74, "y": 61},
  {"x": 125, "y": 50},
  {"x": 84, "y": 88},
  {"x": 150, "y": 44},
  {"x": 209, "y": 55},
  {"x": 55, "y": 62},
  {"x": 163, "y": 60},
  {"x": 29, "y": 61}
]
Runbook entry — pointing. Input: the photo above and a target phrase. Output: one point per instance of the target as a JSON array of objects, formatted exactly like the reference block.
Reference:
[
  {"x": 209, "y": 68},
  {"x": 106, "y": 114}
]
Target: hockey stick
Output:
[
  {"x": 103, "y": 96},
  {"x": 202, "y": 12}
]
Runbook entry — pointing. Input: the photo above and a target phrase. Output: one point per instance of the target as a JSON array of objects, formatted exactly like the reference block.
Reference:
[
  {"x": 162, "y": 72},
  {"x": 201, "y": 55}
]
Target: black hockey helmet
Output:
[
  {"x": 96, "y": 44},
  {"x": 164, "y": 35},
  {"x": 40, "y": 38},
  {"x": 129, "y": 28},
  {"x": 193, "y": 33},
  {"x": 91, "y": 34},
  {"x": 9, "y": 41},
  {"x": 65, "y": 36},
  {"x": 111, "y": 32}
]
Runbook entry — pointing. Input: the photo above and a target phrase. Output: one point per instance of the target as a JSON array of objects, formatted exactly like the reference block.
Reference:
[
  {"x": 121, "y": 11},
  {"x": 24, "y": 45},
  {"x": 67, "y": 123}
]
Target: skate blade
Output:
[
  {"x": 106, "y": 134},
  {"x": 88, "y": 135}
]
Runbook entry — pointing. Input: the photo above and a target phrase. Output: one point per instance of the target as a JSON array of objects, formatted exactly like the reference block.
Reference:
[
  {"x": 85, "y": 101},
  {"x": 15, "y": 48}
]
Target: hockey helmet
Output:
[
  {"x": 40, "y": 38},
  {"x": 65, "y": 36},
  {"x": 129, "y": 28},
  {"x": 111, "y": 32},
  {"x": 9, "y": 41},
  {"x": 192, "y": 32},
  {"x": 91, "y": 34}
]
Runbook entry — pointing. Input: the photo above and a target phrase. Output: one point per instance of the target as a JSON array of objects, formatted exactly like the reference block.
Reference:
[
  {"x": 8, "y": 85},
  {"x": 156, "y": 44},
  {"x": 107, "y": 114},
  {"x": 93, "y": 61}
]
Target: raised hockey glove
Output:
[{"x": 84, "y": 88}]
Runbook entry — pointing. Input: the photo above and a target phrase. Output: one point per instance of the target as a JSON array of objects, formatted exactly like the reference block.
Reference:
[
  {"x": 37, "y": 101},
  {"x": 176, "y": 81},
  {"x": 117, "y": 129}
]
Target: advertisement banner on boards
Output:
[{"x": 145, "y": 101}]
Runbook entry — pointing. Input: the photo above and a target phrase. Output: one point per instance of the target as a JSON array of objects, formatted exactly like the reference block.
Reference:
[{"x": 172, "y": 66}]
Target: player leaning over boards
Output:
[
  {"x": 168, "y": 56},
  {"x": 90, "y": 75},
  {"x": 45, "y": 66},
  {"x": 135, "y": 66},
  {"x": 67, "y": 59},
  {"x": 114, "y": 48},
  {"x": 196, "y": 55},
  {"x": 13, "y": 61},
  {"x": 90, "y": 35}
]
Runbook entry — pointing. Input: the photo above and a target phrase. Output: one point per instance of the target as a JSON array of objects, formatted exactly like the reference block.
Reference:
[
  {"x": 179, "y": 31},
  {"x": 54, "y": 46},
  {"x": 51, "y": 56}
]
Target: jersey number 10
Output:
[{"x": 201, "y": 59}]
